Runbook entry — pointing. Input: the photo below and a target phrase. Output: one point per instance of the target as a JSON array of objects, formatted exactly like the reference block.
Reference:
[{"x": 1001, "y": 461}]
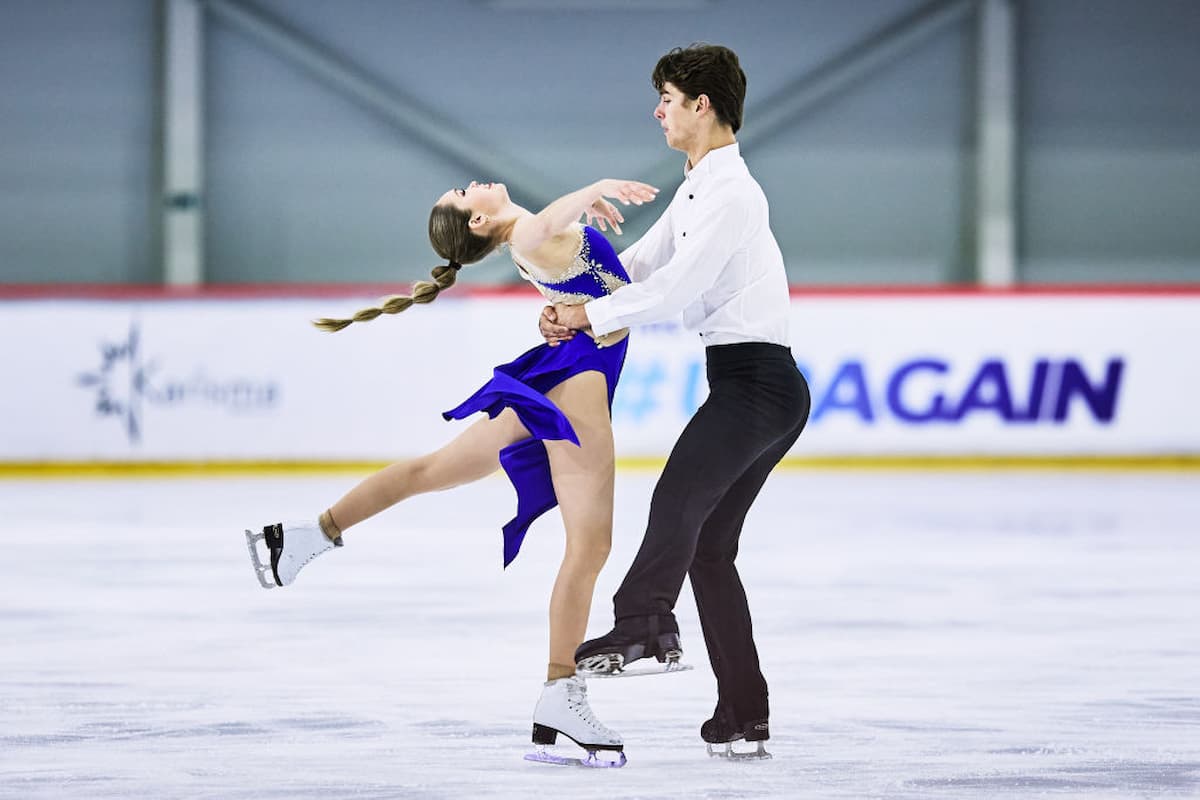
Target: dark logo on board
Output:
[{"x": 125, "y": 383}]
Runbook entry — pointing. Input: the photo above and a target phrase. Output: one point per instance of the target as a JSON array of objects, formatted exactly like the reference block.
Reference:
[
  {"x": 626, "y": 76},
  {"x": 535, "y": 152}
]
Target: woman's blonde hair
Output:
[{"x": 452, "y": 239}]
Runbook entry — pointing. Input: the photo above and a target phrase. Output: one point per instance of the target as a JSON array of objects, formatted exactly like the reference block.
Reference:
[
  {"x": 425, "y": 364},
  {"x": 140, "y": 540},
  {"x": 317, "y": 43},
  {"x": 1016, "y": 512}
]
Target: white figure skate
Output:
[
  {"x": 289, "y": 548},
  {"x": 563, "y": 708}
]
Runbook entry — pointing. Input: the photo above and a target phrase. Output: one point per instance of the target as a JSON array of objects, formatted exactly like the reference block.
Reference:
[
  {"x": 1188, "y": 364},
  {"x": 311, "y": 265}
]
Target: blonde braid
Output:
[{"x": 422, "y": 292}]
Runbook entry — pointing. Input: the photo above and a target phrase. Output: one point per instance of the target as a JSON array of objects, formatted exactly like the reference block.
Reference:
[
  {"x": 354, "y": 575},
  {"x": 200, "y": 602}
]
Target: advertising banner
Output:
[{"x": 911, "y": 374}]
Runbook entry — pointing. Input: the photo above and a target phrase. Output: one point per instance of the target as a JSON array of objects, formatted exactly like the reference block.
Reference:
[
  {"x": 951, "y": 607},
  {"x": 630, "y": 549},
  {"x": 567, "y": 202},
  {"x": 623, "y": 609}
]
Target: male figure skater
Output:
[{"x": 711, "y": 256}]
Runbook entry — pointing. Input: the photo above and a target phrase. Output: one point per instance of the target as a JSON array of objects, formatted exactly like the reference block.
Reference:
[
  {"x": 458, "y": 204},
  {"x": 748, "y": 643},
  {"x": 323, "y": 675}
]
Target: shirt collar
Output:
[{"x": 715, "y": 161}]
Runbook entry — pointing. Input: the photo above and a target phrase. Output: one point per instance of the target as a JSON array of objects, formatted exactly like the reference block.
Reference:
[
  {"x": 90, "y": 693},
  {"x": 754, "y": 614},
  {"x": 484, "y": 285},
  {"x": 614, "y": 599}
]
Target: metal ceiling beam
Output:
[
  {"x": 405, "y": 113},
  {"x": 775, "y": 113}
]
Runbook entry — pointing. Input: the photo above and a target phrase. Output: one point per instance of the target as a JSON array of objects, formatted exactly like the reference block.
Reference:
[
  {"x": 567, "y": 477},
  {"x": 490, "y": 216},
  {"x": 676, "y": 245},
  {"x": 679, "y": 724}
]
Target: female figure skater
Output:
[{"x": 548, "y": 422}]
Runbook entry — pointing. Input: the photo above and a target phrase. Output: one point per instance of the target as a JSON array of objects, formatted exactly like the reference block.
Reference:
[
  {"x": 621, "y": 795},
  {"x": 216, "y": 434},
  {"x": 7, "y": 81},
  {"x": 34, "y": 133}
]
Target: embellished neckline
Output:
[{"x": 540, "y": 273}]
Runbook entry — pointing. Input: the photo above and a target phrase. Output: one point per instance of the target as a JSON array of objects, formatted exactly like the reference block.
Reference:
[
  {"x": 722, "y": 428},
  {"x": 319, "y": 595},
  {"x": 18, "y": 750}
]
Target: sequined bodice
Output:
[{"x": 594, "y": 272}]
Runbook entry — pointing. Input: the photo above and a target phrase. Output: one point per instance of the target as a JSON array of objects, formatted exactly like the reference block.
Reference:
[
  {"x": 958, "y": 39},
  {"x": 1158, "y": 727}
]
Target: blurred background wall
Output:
[{"x": 321, "y": 132}]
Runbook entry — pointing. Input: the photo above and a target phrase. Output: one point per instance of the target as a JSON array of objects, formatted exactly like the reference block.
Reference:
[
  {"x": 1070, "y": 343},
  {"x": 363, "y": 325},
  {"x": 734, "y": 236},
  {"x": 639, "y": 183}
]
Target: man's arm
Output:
[
  {"x": 639, "y": 260},
  {"x": 692, "y": 270},
  {"x": 651, "y": 250}
]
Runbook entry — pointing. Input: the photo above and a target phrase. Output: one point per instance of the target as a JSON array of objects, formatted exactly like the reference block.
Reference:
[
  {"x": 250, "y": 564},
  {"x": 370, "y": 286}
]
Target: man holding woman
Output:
[{"x": 713, "y": 258}]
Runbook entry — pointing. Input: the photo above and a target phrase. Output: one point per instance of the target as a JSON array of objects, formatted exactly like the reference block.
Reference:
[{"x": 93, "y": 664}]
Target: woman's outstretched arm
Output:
[{"x": 530, "y": 232}]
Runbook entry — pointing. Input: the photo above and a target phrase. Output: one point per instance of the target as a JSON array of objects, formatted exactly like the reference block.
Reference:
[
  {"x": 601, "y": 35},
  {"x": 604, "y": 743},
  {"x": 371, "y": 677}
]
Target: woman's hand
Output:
[
  {"x": 603, "y": 214},
  {"x": 627, "y": 192},
  {"x": 531, "y": 232}
]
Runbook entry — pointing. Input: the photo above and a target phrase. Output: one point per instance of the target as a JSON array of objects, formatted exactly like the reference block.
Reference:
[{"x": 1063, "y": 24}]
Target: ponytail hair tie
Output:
[{"x": 454, "y": 265}]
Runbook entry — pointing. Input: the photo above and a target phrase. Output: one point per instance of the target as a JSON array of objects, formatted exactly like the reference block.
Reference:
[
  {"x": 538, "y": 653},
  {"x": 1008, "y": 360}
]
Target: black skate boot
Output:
[
  {"x": 721, "y": 729},
  {"x": 631, "y": 640}
]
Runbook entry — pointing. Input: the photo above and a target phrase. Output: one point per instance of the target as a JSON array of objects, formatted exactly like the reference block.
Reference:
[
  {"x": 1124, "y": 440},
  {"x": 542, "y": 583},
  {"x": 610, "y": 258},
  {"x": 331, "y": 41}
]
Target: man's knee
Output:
[{"x": 711, "y": 563}]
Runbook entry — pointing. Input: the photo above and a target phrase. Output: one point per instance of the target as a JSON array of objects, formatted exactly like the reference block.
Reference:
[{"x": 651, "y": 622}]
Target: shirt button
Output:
[
  {"x": 691, "y": 197},
  {"x": 685, "y": 233}
]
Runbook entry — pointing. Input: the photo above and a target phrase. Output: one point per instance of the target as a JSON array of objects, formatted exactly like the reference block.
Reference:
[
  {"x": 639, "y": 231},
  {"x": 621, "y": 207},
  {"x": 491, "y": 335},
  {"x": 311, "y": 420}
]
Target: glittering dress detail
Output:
[{"x": 522, "y": 384}]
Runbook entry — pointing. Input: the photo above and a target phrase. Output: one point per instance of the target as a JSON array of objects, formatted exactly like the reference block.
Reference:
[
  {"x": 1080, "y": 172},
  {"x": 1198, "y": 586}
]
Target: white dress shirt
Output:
[{"x": 712, "y": 256}]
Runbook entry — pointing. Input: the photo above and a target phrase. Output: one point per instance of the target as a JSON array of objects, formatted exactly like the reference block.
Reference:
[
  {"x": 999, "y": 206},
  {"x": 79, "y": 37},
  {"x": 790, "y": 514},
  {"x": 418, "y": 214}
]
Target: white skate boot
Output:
[
  {"x": 290, "y": 547},
  {"x": 563, "y": 708}
]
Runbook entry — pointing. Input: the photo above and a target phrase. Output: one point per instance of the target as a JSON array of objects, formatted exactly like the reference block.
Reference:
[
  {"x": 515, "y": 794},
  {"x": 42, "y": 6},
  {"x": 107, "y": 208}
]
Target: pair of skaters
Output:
[{"x": 712, "y": 257}]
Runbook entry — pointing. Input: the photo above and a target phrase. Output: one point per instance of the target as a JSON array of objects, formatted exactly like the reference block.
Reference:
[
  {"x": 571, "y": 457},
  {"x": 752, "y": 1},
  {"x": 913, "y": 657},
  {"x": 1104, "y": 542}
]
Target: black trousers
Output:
[{"x": 757, "y": 405}]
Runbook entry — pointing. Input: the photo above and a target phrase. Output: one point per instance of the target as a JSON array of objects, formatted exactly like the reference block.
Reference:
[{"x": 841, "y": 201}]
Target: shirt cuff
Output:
[{"x": 600, "y": 316}]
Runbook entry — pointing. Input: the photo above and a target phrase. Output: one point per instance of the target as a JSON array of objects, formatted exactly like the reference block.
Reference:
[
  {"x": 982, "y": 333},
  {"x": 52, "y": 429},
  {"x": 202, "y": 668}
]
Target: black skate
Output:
[
  {"x": 610, "y": 655},
  {"x": 720, "y": 730}
]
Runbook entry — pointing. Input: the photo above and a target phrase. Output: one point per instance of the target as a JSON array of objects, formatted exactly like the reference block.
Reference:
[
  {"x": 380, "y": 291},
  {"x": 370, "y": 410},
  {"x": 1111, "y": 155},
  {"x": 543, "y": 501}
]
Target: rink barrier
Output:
[{"x": 225, "y": 380}]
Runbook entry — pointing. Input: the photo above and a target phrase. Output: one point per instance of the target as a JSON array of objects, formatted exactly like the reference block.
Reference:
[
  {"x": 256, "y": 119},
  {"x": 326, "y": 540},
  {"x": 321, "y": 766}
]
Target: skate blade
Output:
[
  {"x": 733, "y": 755},
  {"x": 266, "y": 577},
  {"x": 640, "y": 671},
  {"x": 593, "y": 761},
  {"x": 612, "y": 665}
]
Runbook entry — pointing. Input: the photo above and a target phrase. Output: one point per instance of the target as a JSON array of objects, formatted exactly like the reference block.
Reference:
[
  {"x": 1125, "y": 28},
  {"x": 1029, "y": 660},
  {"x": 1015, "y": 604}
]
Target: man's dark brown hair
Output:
[{"x": 707, "y": 69}]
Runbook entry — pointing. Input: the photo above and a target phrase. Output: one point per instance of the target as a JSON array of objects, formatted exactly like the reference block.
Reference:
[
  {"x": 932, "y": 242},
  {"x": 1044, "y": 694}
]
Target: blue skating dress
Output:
[{"x": 522, "y": 384}]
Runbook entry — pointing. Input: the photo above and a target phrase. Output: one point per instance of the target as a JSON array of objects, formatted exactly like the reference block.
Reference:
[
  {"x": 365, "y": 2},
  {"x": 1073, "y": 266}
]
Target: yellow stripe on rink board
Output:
[
  {"x": 66, "y": 470},
  {"x": 1161, "y": 463},
  {"x": 179, "y": 469}
]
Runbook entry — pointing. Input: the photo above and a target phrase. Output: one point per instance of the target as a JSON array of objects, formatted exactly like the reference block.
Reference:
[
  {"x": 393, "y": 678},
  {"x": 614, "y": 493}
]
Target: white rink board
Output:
[{"x": 938, "y": 374}]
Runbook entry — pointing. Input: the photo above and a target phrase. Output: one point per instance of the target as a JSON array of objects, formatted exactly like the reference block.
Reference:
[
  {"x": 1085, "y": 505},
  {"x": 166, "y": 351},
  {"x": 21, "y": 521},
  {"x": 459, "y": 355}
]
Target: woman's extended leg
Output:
[
  {"x": 583, "y": 482},
  {"x": 473, "y": 454}
]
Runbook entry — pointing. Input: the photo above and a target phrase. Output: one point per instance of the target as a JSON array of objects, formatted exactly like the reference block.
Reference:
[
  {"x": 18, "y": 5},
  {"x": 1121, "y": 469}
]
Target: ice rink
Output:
[{"x": 939, "y": 634}]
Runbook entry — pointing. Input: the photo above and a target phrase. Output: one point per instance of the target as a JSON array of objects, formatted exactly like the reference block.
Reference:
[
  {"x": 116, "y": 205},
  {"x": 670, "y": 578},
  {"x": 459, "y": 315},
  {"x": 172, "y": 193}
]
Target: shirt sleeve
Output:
[
  {"x": 653, "y": 248},
  {"x": 695, "y": 266}
]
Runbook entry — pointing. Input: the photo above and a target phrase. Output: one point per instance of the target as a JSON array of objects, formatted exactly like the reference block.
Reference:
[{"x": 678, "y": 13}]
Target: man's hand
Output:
[
  {"x": 572, "y": 317},
  {"x": 554, "y": 333}
]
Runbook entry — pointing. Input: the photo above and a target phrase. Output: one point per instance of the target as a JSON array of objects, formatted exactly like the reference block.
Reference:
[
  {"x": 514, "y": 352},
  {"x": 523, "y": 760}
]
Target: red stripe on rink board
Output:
[{"x": 319, "y": 290}]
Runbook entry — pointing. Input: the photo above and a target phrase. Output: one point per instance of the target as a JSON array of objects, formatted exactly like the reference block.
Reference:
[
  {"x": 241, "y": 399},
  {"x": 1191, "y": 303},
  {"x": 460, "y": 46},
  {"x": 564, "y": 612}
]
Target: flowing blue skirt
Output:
[{"x": 522, "y": 385}]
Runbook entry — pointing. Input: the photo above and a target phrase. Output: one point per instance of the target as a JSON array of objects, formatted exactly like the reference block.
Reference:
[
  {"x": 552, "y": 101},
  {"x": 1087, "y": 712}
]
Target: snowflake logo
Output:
[
  {"x": 637, "y": 393},
  {"x": 120, "y": 382}
]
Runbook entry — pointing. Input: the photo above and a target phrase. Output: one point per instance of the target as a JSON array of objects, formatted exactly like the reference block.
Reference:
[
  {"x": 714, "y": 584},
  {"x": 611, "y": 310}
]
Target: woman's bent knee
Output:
[{"x": 588, "y": 556}]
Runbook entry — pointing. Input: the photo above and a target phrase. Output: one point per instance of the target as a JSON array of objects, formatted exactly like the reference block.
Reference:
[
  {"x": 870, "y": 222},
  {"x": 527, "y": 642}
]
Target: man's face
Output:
[{"x": 677, "y": 116}]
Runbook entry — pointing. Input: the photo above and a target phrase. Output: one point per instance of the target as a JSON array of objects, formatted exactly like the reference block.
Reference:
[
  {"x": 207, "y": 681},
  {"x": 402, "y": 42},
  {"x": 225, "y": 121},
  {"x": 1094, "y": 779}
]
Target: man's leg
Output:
[
  {"x": 721, "y": 598},
  {"x": 757, "y": 397},
  {"x": 715, "y": 448}
]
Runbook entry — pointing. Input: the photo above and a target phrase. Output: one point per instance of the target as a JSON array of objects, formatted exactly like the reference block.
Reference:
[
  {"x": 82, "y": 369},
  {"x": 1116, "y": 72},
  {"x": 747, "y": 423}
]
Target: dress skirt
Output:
[{"x": 522, "y": 386}]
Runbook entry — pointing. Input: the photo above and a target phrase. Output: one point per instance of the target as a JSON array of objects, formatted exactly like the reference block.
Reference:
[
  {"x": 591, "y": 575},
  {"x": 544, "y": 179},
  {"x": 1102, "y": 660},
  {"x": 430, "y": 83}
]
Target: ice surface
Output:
[{"x": 946, "y": 635}]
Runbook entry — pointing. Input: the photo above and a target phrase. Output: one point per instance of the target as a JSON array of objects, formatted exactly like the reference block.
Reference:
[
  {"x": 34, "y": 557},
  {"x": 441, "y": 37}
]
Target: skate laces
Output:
[{"x": 577, "y": 701}]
